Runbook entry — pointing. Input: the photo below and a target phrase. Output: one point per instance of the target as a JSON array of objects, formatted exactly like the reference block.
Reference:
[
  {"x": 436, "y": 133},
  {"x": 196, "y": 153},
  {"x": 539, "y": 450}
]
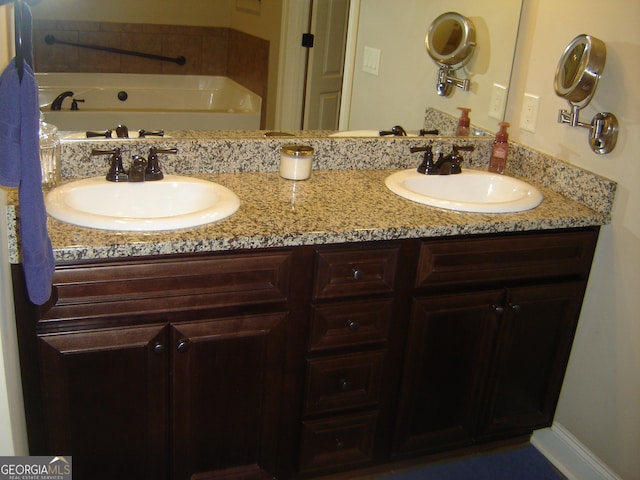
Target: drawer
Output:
[
  {"x": 518, "y": 256},
  {"x": 343, "y": 381},
  {"x": 351, "y": 271},
  {"x": 165, "y": 285},
  {"x": 350, "y": 323},
  {"x": 337, "y": 442}
]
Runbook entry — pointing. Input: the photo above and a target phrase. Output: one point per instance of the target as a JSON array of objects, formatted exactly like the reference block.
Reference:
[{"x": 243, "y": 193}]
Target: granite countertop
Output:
[
  {"x": 330, "y": 207},
  {"x": 337, "y": 204}
]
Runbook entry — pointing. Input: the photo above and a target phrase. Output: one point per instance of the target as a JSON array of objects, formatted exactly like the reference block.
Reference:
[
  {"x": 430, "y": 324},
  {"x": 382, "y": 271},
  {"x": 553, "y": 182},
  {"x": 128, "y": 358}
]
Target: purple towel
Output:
[{"x": 20, "y": 167}]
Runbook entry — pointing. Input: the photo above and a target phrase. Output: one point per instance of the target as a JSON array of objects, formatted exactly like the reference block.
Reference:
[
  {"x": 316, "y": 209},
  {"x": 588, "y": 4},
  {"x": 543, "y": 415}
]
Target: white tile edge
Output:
[{"x": 569, "y": 456}]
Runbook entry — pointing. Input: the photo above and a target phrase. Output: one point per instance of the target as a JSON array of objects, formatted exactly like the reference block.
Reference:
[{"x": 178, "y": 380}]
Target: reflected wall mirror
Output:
[
  {"x": 450, "y": 42},
  {"x": 282, "y": 22}
]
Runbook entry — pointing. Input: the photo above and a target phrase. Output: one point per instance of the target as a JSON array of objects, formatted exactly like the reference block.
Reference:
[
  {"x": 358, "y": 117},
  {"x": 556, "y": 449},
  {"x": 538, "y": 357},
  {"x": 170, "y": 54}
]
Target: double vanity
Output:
[{"x": 326, "y": 325}]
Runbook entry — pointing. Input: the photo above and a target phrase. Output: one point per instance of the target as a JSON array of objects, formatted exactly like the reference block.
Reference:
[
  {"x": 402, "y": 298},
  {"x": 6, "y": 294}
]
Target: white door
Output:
[{"x": 325, "y": 71}]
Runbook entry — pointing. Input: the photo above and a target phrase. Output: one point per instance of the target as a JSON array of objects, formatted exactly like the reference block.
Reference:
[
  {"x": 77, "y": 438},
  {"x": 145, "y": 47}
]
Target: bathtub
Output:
[{"x": 149, "y": 102}]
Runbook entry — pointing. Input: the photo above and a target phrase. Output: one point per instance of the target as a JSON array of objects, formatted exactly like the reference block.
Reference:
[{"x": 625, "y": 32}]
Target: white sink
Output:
[
  {"x": 174, "y": 202},
  {"x": 469, "y": 191}
]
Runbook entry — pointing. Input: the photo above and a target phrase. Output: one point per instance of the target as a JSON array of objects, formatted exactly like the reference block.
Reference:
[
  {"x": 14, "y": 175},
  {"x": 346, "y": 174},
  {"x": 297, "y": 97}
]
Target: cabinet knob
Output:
[
  {"x": 353, "y": 325},
  {"x": 357, "y": 273},
  {"x": 158, "y": 348},
  {"x": 345, "y": 384},
  {"x": 339, "y": 444},
  {"x": 499, "y": 309},
  {"x": 183, "y": 345},
  {"x": 514, "y": 307}
]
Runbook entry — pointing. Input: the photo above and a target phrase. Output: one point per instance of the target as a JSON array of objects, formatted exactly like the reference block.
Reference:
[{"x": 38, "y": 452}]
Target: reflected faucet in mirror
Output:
[{"x": 450, "y": 42}]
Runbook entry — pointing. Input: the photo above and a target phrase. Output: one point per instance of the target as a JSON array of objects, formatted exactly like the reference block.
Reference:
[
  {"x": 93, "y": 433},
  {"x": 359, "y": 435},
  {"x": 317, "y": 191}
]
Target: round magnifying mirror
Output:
[
  {"x": 451, "y": 39},
  {"x": 579, "y": 68}
]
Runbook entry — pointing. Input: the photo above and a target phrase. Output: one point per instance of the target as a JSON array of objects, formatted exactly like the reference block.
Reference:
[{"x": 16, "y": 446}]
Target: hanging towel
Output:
[{"x": 20, "y": 167}]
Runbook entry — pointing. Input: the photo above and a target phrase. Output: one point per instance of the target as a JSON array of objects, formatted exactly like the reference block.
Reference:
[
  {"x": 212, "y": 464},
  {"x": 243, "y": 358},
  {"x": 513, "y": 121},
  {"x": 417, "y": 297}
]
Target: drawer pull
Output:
[
  {"x": 514, "y": 307},
  {"x": 158, "y": 348},
  {"x": 345, "y": 385},
  {"x": 353, "y": 325},
  {"x": 499, "y": 309},
  {"x": 357, "y": 273}
]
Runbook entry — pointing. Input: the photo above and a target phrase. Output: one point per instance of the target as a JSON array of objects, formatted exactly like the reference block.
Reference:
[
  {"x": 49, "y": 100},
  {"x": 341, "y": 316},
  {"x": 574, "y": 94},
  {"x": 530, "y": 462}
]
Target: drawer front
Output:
[
  {"x": 355, "y": 272},
  {"x": 525, "y": 256},
  {"x": 343, "y": 381},
  {"x": 350, "y": 324},
  {"x": 138, "y": 287},
  {"x": 337, "y": 442}
]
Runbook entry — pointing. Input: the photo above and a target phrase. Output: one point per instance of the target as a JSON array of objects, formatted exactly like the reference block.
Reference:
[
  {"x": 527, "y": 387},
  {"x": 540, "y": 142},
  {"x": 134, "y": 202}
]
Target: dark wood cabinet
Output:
[
  {"x": 537, "y": 327},
  {"x": 491, "y": 327},
  {"x": 165, "y": 368},
  {"x": 294, "y": 363},
  {"x": 446, "y": 365},
  {"x": 104, "y": 394}
]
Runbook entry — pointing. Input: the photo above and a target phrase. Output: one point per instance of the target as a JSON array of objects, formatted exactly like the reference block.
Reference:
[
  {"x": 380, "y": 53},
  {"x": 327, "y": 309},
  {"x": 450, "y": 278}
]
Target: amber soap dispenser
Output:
[
  {"x": 498, "y": 161},
  {"x": 462, "y": 130}
]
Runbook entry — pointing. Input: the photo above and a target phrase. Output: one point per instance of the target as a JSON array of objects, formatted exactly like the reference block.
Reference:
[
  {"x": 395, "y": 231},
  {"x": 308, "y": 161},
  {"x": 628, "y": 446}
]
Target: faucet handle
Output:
[
  {"x": 153, "y": 171},
  {"x": 150, "y": 133},
  {"x": 456, "y": 158},
  {"x": 116, "y": 171}
]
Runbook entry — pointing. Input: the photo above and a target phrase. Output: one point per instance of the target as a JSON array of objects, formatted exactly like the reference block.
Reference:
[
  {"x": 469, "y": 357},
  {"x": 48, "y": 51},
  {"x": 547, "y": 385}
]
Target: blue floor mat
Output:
[{"x": 524, "y": 463}]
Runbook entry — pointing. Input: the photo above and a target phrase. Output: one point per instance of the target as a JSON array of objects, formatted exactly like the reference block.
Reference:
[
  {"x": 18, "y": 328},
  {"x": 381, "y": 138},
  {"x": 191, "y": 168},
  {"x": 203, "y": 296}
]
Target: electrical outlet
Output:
[
  {"x": 498, "y": 98},
  {"x": 529, "y": 115},
  {"x": 371, "y": 60}
]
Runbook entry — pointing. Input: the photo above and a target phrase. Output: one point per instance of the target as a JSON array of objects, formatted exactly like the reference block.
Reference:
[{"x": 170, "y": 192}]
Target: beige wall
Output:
[
  {"x": 600, "y": 401},
  {"x": 407, "y": 77},
  {"x": 185, "y": 12}
]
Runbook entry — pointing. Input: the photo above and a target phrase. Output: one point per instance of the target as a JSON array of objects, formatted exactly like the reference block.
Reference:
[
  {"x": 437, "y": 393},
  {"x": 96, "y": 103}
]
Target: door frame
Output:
[{"x": 293, "y": 64}]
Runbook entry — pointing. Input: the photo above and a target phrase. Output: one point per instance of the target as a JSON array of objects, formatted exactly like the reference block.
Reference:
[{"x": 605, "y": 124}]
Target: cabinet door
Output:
[
  {"x": 227, "y": 390},
  {"x": 105, "y": 396},
  {"x": 533, "y": 350},
  {"x": 446, "y": 362}
]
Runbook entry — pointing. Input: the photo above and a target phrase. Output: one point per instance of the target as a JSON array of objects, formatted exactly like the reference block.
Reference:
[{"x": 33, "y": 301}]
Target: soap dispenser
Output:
[
  {"x": 498, "y": 161},
  {"x": 462, "y": 130}
]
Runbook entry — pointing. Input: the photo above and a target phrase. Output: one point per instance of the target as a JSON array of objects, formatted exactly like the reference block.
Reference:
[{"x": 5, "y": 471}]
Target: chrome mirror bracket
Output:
[{"x": 447, "y": 80}]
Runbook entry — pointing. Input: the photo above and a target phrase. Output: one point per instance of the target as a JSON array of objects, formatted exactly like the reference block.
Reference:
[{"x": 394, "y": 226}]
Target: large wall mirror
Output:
[{"x": 397, "y": 94}]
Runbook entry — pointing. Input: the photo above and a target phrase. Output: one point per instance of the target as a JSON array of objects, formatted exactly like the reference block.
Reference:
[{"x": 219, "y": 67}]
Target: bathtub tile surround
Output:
[
  {"x": 209, "y": 51},
  {"x": 349, "y": 200}
]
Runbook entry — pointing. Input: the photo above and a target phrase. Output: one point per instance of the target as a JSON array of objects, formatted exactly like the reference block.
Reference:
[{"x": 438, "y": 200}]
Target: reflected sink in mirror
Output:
[
  {"x": 366, "y": 133},
  {"x": 469, "y": 191},
  {"x": 174, "y": 202}
]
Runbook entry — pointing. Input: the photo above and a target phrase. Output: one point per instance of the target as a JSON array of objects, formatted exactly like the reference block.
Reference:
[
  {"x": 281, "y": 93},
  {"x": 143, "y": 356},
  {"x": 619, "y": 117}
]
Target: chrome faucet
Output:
[{"x": 57, "y": 102}]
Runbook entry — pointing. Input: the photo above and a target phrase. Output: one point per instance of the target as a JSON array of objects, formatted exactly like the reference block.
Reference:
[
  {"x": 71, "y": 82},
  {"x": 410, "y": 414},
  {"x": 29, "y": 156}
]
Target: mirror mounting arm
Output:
[{"x": 447, "y": 79}]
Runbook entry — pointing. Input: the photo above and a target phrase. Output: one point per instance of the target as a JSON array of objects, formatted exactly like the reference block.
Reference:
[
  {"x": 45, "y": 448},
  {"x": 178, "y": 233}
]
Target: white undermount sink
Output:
[
  {"x": 469, "y": 191},
  {"x": 174, "y": 202}
]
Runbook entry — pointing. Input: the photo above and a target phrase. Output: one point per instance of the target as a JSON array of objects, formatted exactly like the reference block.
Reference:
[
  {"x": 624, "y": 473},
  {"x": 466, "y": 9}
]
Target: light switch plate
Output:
[{"x": 371, "y": 60}]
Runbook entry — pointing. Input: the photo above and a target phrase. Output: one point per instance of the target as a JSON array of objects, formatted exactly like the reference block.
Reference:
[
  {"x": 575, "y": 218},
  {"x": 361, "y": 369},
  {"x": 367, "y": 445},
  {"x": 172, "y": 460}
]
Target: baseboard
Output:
[{"x": 570, "y": 456}]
